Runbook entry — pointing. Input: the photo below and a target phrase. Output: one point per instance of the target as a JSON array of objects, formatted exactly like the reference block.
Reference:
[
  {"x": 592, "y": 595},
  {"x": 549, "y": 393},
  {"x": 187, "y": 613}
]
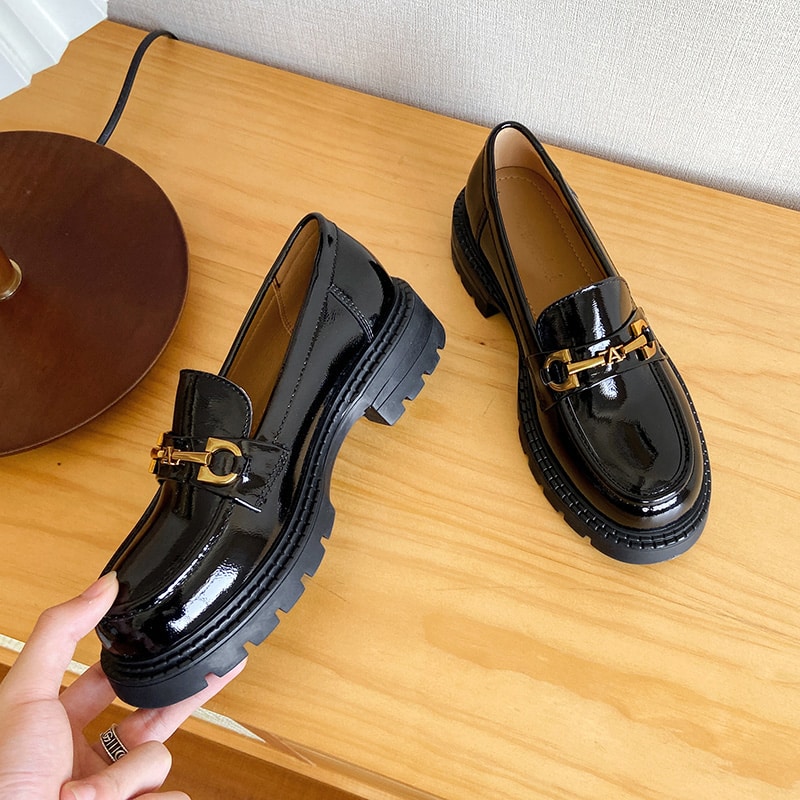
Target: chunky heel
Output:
[
  {"x": 410, "y": 351},
  {"x": 475, "y": 275}
]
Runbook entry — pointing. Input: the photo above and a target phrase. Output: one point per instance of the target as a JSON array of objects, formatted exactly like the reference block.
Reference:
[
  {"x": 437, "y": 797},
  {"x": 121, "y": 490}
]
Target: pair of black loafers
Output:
[{"x": 244, "y": 473}]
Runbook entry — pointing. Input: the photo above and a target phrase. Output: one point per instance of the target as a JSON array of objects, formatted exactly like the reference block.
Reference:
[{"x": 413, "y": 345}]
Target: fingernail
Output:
[
  {"x": 81, "y": 791},
  {"x": 96, "y": 589}
]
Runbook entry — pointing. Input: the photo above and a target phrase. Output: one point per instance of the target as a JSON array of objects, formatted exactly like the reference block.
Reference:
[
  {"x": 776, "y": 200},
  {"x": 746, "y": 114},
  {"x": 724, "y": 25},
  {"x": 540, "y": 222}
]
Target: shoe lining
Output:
[
  {"x": 551, "y": 255},
  {"x": 259, "y": 360}
]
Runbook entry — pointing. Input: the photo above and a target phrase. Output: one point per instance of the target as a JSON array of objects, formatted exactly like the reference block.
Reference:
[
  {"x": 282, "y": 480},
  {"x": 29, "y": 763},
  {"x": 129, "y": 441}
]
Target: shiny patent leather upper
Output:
[
  {"x": 200, "y": 542},
  {"x": 626, "y": 433}
]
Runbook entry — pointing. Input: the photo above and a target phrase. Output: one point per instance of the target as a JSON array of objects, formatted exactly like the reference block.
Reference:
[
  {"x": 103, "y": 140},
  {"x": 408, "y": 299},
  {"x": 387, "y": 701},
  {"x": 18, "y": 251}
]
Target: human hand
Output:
[{"x": 44, "y": 754}]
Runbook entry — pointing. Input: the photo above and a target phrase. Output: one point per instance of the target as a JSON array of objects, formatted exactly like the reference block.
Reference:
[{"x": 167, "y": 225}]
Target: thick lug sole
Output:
[
  {"x": 623, "y": 544},
  {"x": 389, "y": 373}
]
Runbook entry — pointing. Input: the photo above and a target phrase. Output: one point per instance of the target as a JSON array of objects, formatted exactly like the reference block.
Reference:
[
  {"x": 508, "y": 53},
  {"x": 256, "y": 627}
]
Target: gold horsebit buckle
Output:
[
  {"x": 643, "y": 340},
  {"x": 170, "y": 456}
]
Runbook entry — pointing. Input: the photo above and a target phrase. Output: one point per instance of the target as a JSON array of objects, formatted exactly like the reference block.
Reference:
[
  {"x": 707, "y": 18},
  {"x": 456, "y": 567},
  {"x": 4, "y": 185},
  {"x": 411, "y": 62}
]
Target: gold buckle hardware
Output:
[
  {"x": 610, "y": 355},
  {"x": 171, "y": 457}
]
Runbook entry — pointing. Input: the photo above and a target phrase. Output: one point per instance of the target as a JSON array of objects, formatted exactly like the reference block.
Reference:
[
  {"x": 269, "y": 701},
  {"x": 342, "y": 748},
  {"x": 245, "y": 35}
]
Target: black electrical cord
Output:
[{"x": 128, "y": 83}]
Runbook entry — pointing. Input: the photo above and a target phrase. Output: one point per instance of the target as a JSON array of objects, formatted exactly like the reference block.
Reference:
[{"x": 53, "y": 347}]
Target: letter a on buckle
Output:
[{"x": 643, "y": 341}]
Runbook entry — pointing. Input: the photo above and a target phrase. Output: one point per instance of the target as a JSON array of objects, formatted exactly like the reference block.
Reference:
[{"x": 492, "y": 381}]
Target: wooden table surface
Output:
[{"x": 458, "y": 640}]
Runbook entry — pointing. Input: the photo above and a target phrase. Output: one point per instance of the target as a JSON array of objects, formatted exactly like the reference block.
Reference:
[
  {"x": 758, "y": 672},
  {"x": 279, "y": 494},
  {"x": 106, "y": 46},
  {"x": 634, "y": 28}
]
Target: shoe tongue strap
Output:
[
  {"x": 242, "y": 470},
  {"x": 593, "y": 313},
  {"x": 210, "y": 405},
  {"x": 208, "y": 447}
]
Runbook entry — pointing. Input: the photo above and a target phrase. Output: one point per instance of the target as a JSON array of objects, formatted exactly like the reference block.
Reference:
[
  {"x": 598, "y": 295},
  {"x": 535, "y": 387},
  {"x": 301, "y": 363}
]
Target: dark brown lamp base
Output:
[{"x": 104, "y": 274}]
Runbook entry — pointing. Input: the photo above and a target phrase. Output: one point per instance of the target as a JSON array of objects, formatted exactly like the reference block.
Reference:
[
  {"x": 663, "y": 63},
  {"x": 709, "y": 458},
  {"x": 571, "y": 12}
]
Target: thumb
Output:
[{"x": 40, "y": 666}]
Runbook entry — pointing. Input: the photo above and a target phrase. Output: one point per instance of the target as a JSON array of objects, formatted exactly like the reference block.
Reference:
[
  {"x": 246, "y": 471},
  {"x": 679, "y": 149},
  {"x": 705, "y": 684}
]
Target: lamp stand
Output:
[{"x": 10, "y": 276}]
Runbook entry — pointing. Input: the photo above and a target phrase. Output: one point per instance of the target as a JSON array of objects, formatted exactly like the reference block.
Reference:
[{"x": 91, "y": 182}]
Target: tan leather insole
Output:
[
  {"x": 550, "y": 253},
  {"x": 258, "y": 362}
]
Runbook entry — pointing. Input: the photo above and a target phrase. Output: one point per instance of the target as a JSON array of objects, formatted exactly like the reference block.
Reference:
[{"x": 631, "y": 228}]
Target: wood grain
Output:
[
  {"x": 104, "y": 273},
  {"x": 207, "y": 770},
  {"x": 458, "y": 639}
]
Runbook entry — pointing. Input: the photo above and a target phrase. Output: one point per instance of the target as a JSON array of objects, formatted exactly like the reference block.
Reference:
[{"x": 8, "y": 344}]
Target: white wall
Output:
[{"x": 704, "y": 90}]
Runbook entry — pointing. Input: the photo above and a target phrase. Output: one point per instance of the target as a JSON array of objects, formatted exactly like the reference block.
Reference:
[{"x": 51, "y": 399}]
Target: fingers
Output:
[
  {"x": 40, "y": 666},
  {"x": 140, "y": 772},
  {"x": 90, "y": 694},
  {"x": 158, "y": 724}
]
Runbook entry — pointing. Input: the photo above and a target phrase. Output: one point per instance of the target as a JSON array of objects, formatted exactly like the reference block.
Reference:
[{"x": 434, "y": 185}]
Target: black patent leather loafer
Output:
[
  {"x": 243, "y": 498},
  {"x": 609, "y": 428}
]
